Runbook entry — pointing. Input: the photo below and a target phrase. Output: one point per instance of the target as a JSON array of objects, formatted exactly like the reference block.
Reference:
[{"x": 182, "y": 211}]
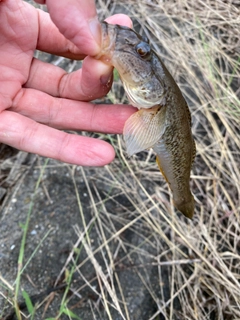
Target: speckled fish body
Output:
[{"x": 163, "y": 121}]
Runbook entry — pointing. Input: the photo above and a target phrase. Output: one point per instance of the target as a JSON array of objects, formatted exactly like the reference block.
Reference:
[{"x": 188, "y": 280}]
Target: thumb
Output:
[{"x": 77, "y": 21}]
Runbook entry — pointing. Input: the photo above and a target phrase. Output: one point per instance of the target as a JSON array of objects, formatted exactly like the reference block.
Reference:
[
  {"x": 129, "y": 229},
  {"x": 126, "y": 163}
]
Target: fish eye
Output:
[{"x": 144, "y": 50}]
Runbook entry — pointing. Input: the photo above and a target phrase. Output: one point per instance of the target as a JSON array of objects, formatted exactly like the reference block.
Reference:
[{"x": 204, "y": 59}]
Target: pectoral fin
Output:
[{"x": 143, "y": 129}]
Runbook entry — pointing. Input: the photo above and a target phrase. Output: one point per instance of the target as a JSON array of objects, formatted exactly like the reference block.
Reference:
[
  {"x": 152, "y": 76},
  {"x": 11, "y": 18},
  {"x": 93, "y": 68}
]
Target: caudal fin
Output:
[{"x": 186, "y": 208}]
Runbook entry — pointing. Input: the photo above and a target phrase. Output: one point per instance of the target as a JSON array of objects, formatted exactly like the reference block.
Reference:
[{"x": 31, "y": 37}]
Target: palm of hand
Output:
[{"x": 37, "y": 98}]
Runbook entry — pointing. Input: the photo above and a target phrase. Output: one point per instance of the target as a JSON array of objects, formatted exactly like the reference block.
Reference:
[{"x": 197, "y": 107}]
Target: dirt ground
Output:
[{"x": 56, "y": 212}]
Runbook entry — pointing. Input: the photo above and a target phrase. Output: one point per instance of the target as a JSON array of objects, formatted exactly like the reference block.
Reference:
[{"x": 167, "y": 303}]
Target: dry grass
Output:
[{"x": 200, "y": 44}]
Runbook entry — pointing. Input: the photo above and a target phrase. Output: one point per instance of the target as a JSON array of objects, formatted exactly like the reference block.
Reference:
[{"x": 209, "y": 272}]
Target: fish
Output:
[{"x": 163, "y": 120}]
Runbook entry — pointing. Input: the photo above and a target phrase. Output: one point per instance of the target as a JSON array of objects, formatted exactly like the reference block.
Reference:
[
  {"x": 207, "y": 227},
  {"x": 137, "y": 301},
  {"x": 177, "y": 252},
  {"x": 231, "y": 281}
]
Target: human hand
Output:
[{"x": 37, "y": 99}]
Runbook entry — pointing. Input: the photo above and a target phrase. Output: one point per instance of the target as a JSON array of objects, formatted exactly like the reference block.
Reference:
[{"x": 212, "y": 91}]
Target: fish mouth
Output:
[{"x": 108, "y": 41}]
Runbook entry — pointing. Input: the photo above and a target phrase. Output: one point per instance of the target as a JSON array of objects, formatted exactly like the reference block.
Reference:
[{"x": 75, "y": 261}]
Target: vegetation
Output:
[{"x": 199, "y": 43}]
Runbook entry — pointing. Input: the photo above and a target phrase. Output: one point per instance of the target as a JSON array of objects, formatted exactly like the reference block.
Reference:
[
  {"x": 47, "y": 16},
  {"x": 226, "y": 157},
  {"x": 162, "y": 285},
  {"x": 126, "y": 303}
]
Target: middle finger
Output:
[{"x": 69, "y": 114}]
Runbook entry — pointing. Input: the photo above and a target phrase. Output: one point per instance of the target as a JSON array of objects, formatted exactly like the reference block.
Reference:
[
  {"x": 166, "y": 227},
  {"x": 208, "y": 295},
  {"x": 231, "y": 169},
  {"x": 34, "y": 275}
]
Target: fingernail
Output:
[
  {"x": 95, "y": 29},
  {"x": 106, "y": 79}
]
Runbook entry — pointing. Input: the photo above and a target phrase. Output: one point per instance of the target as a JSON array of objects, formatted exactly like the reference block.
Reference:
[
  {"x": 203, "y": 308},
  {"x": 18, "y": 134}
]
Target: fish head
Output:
[{"x": 137, "y": 64}]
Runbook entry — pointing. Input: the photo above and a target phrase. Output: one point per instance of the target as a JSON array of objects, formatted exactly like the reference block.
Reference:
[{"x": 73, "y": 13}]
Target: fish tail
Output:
[
  {"x": 185, "y": 207},
  {"x": 185, "y": 202}
]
